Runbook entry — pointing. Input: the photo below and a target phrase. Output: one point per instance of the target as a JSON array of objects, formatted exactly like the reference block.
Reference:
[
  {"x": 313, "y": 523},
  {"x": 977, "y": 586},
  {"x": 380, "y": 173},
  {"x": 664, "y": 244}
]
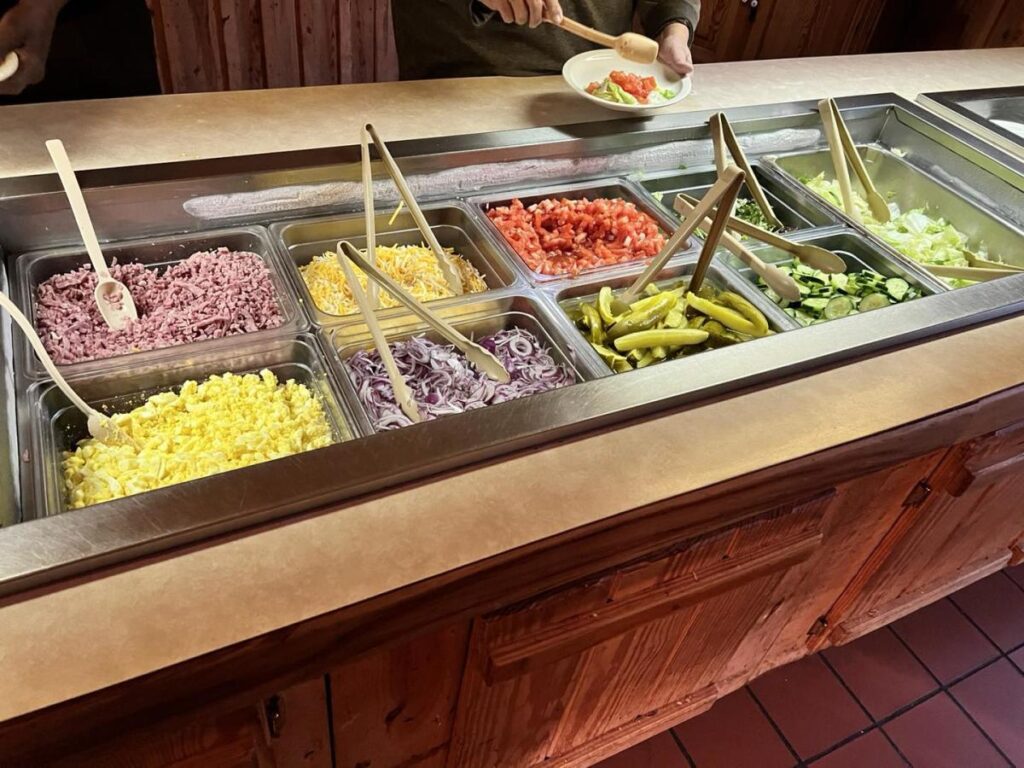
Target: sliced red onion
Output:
[{"x": 443, "y": 382}]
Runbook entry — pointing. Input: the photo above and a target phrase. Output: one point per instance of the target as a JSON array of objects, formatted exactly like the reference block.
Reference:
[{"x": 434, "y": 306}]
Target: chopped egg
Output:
[
  {"x": 414, "y": 267},
  {"x": 225, "y": 422}
]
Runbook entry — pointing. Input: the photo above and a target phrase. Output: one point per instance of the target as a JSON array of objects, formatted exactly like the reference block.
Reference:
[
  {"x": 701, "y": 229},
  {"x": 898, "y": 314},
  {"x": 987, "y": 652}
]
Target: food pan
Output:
[
  {"x": 719, "y": 276},
  {"x": 57, "y": 426},
  {"x": 486, "y": 318},
  {"x": 797, "y": 210},
  {"x": 8, "y": 418},
  {"x": 610, "y": 188},
  {"x": 158, "y": 253},
  {"x": 452, "y": 223},
  {"x": 859, "y": 253},
  {"x": 911, "y": 187}
]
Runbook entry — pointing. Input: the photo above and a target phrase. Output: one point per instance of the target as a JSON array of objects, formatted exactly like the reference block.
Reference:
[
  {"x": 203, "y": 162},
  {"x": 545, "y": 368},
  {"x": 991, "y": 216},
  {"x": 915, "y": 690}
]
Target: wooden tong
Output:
[
  {"x": 476, "y": 354},
  {"x": 812, "y": 255},
  {"x": 451, "y": 274},
  {"x": 620, "y": 304},
  {"x": 717, "y": 229},
  {"x": 723, "y": 137},
  {"x": 840, "y": 143}
]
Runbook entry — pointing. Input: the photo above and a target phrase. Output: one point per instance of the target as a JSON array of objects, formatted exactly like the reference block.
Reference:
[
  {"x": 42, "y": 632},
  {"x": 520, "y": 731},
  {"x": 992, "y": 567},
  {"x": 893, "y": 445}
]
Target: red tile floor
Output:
[{"x": 941, "y": 688}]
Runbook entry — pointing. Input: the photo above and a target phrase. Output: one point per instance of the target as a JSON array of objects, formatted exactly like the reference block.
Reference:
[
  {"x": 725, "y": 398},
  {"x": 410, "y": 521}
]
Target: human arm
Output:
[
  {"x": 531, "y": 12},
  {"x": 671, "y": 23},
  {"x": 27, "y": 29}
]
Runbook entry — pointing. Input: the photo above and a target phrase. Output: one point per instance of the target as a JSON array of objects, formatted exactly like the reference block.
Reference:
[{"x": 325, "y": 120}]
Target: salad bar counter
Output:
[
  {"x": 493, "y": 586},
  {"x": 533, "y": 256}
]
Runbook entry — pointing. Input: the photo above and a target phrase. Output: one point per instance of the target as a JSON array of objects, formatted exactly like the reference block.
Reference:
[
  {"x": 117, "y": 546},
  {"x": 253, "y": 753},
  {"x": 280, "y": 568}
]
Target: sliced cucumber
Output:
[
  {"x": 874, "y": 301},
  {"x": 838, "y": 307},
  {"x": 897, "y": 287}
]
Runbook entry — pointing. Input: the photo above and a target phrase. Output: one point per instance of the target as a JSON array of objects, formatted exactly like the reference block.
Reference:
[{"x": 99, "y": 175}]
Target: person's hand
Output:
[
  {"x": 531, "y": 12},
  {"x": 27, "y": 29},
  {"x": 674, "y": 49}
]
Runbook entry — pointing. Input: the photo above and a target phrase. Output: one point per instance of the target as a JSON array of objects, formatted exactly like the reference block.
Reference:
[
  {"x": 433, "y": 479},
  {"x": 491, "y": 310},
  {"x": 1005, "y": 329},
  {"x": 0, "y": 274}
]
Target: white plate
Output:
[{"x": 594, "y": 66}]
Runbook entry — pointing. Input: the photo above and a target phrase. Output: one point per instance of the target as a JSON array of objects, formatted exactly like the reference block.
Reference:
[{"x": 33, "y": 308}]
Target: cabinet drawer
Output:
[{"x": 566, "y": 678}]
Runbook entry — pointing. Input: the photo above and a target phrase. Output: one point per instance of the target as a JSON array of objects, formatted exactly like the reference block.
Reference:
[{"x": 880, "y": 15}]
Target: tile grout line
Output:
[
  {"x": 946, "y": 689},
  {"x": 775, "y": 726},
  {"x": 682, "y": 748}
]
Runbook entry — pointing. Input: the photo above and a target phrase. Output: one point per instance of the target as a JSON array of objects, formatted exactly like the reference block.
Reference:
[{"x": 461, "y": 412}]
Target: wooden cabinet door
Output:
[
  {"x": 574, "y": 676},
  {"x": 727, "y": 27},
  {"x": 963, "y": 522},
  {"x": 288, "y": 730}
]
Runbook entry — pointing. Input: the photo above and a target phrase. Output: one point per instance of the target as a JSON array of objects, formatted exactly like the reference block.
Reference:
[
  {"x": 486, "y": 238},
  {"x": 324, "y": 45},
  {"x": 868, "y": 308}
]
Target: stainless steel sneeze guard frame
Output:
[
  {"x": 126, "y": 204},
  {"x": 989, "y": 112}
]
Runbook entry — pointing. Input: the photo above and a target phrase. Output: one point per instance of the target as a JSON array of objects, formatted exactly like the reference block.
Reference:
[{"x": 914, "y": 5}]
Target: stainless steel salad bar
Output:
[
  {"x": 996, "y": 114},
  {"x": 289, "y": 208}
]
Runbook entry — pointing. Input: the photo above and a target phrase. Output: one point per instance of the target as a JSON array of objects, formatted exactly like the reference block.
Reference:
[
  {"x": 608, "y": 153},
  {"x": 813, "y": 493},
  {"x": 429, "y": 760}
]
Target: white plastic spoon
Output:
[
  {"x": 112, "y": 297},
  {"x": 101, "y": 427}
]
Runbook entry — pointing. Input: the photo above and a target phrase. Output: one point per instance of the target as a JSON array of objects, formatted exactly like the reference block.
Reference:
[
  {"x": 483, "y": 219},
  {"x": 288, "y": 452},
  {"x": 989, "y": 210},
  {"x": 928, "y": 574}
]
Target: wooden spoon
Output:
[
  {"x": 451, "y": 274},
  {"x": 784, "y": 285},
  {"x": 112, "y": 297},
  {"x": 476, "y": 354},
  {"x": 402, "y": 394},
  {"x": 716, "y": 230},
  {"x": 879, "y": 208},
  {"x": 692, "y": 220},
  {"x": 9, "y": 66},
  {"x": 100, "y": 427},
  {"x": 835, "y": 145},
  {"x": 628, "y": 45},
  {"x": 722, "y": 136},
  {"x": 811, "y": 255}
]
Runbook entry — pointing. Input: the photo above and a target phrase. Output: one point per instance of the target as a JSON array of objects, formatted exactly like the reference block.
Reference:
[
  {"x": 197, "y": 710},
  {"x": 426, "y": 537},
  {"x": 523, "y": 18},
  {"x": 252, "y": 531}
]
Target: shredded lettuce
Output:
[{"x": 915, "y": 234}]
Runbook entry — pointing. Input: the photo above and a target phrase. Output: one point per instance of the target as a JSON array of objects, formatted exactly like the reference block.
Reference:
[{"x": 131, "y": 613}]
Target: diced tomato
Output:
[
  {"x": 565, "y": 237},
  {"x": 640, "y": 87}
]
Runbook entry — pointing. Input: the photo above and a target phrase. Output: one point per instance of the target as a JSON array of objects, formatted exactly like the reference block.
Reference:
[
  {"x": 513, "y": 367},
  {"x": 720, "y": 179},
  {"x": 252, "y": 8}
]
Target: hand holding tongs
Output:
[
  {"x": 722, "y": 136},
  {"x": 475, "y": 353},
  {"x": 731, "y": 177},
  {"x": 811, "y": 255},
  {"x": 840, "y": 142},
  {"x": 100, "y": 427},
  {"x": 451, "y": 274}
]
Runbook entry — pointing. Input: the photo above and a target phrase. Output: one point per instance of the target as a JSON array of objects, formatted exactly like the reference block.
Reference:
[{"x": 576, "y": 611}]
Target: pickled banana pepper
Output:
[{"x": 666, "y": 324}]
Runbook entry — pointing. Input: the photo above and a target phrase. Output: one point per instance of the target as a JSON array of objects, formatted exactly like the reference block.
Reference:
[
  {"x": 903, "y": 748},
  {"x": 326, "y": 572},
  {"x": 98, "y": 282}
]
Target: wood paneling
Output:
[
  {"x": 574, "y": 693},
  {"x": 922, "y": 25},
  {"x": 211, "y": 45}
]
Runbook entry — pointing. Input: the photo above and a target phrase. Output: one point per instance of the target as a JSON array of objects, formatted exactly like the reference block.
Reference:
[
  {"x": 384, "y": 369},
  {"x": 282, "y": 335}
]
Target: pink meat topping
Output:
[{"x": 209, "y": 295}]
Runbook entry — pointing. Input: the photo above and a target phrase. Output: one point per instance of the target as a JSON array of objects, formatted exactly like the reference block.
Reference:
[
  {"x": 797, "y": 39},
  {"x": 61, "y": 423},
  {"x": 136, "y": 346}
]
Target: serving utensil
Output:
[
  {"x": 812, "y": 255},
  {"x": 451, "y": 274},
  {"x": 100, "y": 427},
  {"x": 842, "y": 146},
  {"x": 716, "y": 230},
  {"x": 976, "y": 261},
  {"x": 9, "y": 66},
  {"x": 691, "y": 221},
  {"x": 784, "y": 285},
  {"x": 970, "y": 273},
  {"x": 722, "y": 137},
  {"x": 629, "y": 45},
  {"x": 475, "y": 353},
  {"x": 112, "y": 296},
  {"x": 369, "y": 224},
  {"x": 402, "y": 394}
]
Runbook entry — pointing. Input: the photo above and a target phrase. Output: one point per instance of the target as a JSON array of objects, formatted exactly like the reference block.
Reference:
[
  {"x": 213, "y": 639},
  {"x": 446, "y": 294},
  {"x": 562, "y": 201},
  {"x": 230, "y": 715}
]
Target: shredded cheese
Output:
[
  {"x": 224, "y": 423},
  {"x": 414, "y": 267}
]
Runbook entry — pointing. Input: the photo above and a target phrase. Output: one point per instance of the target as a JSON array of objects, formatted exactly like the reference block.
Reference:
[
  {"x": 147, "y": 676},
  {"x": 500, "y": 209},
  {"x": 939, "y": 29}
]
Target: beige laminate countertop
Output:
[
  {"x": 68, "y": 641},
  {"x": 157, "y": 129}
]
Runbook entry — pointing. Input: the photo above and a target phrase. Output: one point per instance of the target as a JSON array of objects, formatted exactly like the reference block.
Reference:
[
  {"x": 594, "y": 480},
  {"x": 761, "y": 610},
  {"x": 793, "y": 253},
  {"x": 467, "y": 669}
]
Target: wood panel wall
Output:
[{"x": 216, "y": 45}]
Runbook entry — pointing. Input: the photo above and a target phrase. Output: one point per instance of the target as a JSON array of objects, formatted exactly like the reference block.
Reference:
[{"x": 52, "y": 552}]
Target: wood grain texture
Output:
[
  {"x": 395, "y": 707},
  {"x": 972, "y": 517},
  {"x": 207, "y": 45},
  {"x": 559, "y": 708}
]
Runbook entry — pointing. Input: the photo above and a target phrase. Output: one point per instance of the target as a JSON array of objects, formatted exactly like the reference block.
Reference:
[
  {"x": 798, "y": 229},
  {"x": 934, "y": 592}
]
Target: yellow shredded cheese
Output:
[
  {"x": 224, "y": 423},
  {"x": 414, "y": 267}
]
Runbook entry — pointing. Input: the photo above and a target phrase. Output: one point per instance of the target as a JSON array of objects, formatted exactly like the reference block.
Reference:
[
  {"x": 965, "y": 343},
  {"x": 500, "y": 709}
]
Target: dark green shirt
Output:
[{"x": 454, "y": 38}]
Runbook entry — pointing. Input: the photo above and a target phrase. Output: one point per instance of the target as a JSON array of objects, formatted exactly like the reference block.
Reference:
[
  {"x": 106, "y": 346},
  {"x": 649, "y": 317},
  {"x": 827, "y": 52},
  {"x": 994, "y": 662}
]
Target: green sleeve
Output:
[{"x": 655, "y": 15}]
